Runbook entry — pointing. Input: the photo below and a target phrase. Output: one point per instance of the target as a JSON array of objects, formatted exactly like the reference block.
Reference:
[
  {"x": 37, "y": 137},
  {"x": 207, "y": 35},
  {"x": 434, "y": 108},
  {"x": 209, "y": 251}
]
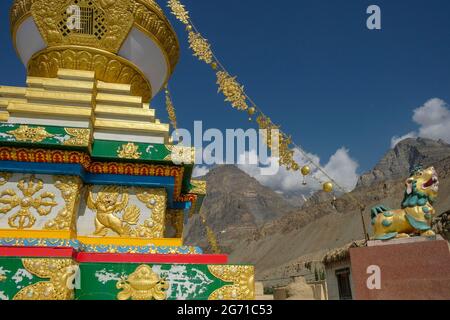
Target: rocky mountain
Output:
[
  {"x": 236, "y": 205},
  {"x": 255, "y": 225},
  {"x": 399, "y": 161}
]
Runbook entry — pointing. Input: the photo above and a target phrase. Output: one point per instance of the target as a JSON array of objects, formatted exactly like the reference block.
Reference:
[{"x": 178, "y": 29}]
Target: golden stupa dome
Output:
[{"x": 123, "y": 41}]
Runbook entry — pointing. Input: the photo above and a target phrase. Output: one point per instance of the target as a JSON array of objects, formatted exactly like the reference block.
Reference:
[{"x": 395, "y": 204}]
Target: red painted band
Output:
[
  {"x": 151, "y": 258},
  {"x": 36, "y": 252}
]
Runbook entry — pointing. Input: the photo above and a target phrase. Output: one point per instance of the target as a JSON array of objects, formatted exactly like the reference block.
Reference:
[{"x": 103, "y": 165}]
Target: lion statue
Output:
[{"x": 417, "y": 211}]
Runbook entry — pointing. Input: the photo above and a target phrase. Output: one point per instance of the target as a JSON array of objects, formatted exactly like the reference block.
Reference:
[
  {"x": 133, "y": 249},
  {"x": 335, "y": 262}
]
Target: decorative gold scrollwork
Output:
[
  {"x": 242, "y": 277},
  {"x": 60, "y": 272},
  {"x": 42, "y": 203},
  {"x": 30, "y": 134},
  {"x": 142, "y": 284}
]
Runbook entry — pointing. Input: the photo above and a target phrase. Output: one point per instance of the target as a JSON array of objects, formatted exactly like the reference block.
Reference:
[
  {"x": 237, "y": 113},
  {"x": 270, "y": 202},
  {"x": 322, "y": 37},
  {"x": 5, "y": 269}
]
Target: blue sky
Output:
[{"x": 313, "y": 66}]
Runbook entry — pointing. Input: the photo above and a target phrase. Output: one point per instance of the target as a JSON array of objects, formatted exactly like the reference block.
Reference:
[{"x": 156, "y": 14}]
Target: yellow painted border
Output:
[
  {"x": 174, "y": 242},
  {"x": 36, "y": 234}
]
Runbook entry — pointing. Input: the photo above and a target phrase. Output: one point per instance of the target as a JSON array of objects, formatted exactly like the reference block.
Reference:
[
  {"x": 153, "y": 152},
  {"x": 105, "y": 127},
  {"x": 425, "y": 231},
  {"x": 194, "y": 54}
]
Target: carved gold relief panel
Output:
[
  {"x": 103, "y": 24},
  {"x": 38, "y": 202},
  {"x": 114, "y": 211}
]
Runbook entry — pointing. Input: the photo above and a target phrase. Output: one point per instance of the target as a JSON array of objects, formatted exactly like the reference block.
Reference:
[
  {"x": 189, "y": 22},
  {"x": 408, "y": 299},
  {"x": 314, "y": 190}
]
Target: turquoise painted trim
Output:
[
  {"x": 80, "y": 247},
  {"x": 387, "y": 236},
  {"x": 416, "y": 224}
]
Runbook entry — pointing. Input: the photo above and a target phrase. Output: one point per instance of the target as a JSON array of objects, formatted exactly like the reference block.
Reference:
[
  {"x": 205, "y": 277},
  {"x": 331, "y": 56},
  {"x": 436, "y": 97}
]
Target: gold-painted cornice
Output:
[
  {"x": 146, "y": 15},
  {"x": 108, "y": 67}
]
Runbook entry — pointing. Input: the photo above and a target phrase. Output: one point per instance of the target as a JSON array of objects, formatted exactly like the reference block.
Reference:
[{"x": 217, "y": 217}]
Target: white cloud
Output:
[
  {"x": 396, "y": 139},
  {"x": 433, "y": 119},
  {"x": 340, "y": 167}
]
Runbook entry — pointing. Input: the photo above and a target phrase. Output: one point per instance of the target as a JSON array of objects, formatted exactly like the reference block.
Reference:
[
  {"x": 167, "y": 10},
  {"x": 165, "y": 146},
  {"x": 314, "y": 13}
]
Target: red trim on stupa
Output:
[
  {"x": 151, "y": 258},
  {"x": 35, "y": 252}
]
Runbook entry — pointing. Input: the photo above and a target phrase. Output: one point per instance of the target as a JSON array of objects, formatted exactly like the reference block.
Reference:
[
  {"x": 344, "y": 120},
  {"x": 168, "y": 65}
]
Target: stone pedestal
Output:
[{"x": 408, "y": 269}]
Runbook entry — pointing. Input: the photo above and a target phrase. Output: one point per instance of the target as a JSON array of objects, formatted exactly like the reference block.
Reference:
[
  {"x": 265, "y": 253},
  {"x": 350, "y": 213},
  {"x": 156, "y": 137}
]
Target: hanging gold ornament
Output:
[
  {"x": 306, "y": 170},
  {"x": 214, "y": 65},
  {"x": 232, "y": 90},
  {"x": 171, "y": 110},
  {"x": 328, "y": 187},
  {"x": 251, "y": 111},
  {"x": 178, "y": 11},
  {"x": 200, "y": 47}
]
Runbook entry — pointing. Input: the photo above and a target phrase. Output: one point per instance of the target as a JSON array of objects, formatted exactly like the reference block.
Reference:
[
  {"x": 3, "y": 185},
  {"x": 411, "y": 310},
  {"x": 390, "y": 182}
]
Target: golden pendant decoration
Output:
[
  {"x": 129, "y": 151},
  {"x": 200, "y": 47},
  {"x": 42, "y": 204},
  {"x": 30, "y": 134},
  {"x": 60, "y": 272},
  {"x": 232, "y": 90},
  {"x": 142, "y": 284},
  {"x": 78, "y": 137},
  {"x": 70, "y": 188},
  {"x": 171, "y": 110},
  {"x": 242, "y": 279},
  {"x": 178, "y": 11}
]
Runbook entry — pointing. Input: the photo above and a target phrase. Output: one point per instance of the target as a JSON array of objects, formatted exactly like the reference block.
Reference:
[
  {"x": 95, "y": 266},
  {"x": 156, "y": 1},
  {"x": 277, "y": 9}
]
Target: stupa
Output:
[{"x": 93, "y": 193}]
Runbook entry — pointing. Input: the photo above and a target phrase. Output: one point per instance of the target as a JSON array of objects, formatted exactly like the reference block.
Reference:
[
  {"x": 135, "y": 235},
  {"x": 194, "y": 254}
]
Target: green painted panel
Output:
[
  {"x": 186, "y": 282},
  {"x": 15, "y": 277},
  {"x": 53, "y": 137},
  {"x": 109, "y": 150}
]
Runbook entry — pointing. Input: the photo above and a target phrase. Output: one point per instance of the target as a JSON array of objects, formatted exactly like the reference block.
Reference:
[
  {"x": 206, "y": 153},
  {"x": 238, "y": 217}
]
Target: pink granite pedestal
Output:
[{"x": 410, "y": 269}]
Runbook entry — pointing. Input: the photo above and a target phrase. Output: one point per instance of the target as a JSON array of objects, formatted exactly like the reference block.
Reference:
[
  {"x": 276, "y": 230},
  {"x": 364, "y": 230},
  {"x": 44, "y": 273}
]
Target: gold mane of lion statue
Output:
[{"x": 417, "y": 211}]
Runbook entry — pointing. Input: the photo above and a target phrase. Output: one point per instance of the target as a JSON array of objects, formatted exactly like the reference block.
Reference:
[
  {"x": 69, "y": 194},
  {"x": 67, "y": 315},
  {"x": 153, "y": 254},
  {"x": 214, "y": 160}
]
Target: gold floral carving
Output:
[
  {"x": 19, "y": 9},
  {"x": 28, "y": 200},
  {"x": 129, "y": 151},
  {"x": 30, "y": 134},
  {"x": 155, "y": 201},
  {"x": 198, "y": 187},
  {"x": 179, "y": 11},
  {"x": 180, "y": 155},
  {"x": 147, "y": 15},
  {"x": 60, "y": 272},
  {"x": 114, "y": 213},
  {"x": 200, "y": 47},
  {"x": 112, "y": 23},
  {"x": 108, "y": 67},
  {"x": 142, "y": 284},
  {"x": 4, "y": 178},
  {"x": 232, "y": 90},
  {"x": 176, "y": 220},
  {"x": 78, "y": 137},
  {"x": 70, "y": 188},
  {"x": 242, "y": 277}
]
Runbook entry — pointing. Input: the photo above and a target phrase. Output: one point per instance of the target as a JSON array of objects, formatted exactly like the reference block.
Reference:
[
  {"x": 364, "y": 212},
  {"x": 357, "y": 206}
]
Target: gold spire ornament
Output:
[
  {"x": 200, "y": 47},
  {"x": 171, "y": 109},
  {"x": 178, "y": 11},
  {"x": 232, "y": 90}
]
